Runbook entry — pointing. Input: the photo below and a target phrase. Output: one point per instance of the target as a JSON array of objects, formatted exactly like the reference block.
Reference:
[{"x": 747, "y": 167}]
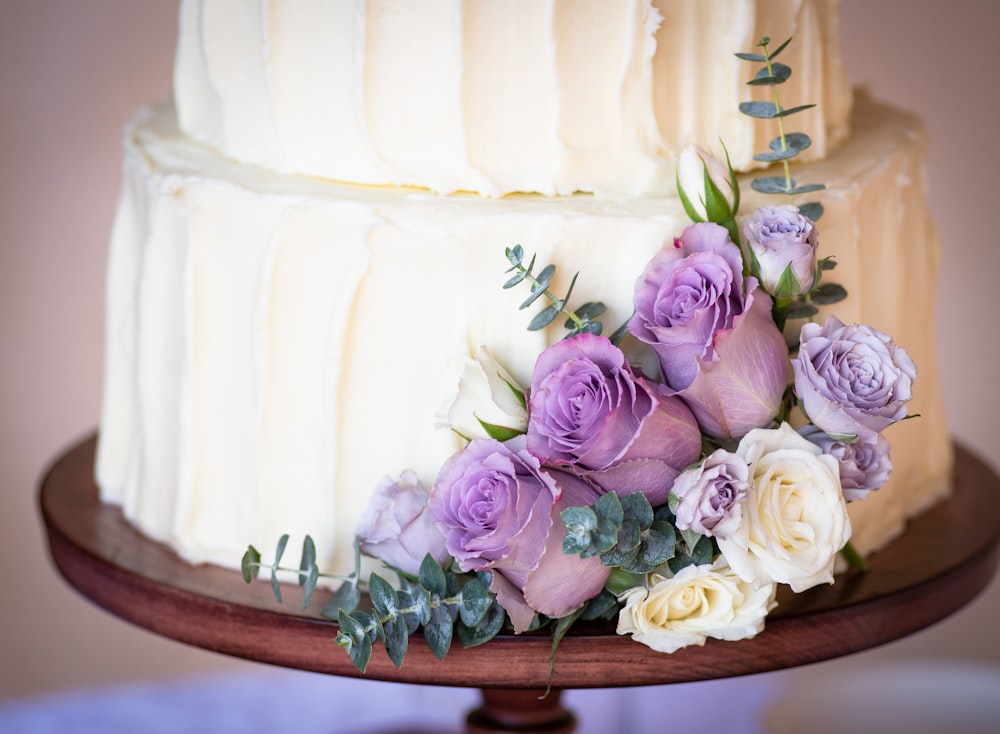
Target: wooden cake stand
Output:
[{"x": 947, "y": 556}]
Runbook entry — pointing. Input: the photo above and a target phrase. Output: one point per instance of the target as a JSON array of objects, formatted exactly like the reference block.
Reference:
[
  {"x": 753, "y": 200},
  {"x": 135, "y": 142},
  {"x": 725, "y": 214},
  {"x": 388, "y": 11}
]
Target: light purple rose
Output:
[
  {"x": 710, "y": 495},
  {"x": 711, "y": 328},
  {"x": 864, "y": 464},
  {"x": 781, "y": 240},
  {"x": 852, "y": 380},
  {"x": 590, "y": 414},
  {"x": 396, "y": 527},
  {"x": 498, "y": 510}
]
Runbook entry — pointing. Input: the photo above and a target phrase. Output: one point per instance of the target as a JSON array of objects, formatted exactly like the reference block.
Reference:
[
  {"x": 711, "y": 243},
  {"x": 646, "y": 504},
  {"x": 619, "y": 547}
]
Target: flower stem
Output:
[{"x": 853, "y": 558}]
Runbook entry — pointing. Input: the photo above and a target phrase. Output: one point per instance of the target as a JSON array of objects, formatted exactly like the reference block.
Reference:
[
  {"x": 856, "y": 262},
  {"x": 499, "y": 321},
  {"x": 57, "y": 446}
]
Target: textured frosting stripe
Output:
[
  {"x": 274, "y": 342},
  {"x": 496, "y": 96}
]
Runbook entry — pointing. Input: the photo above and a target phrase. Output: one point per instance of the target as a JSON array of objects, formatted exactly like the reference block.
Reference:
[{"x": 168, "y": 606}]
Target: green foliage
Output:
[
  {"x": 785, "y": 146},
  {"x": 581, "y": 321},
  {"x": 625, "y": 533}
]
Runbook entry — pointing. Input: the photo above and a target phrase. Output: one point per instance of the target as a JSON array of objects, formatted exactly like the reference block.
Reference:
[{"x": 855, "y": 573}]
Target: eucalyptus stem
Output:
[
  {"x": 561, "y": 303},
  {"x": 781, "y": 122}
]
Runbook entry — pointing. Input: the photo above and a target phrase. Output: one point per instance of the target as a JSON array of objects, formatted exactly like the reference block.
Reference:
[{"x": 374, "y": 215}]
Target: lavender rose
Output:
[
  {"x": 496, "y": 506},
  {"x": 864, "y": 464},
  {"x": 396, "y": 527},
  {"x": 783, "y": 244},
  {"x": 592, "y": 415},
  {"x": 852, "y": 380},
  {"x": 709, "y": 496},
  {"x": 713, "y": 333}
]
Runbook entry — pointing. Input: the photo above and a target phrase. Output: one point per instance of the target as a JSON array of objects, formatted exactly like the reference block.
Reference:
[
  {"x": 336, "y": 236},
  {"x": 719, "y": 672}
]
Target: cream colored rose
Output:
[
  {"x": 692, "y": 164},
  {"x": 795, "y": 519},
  {"x": 477, "y": 390},
  {"x": 697, "y": 603}
]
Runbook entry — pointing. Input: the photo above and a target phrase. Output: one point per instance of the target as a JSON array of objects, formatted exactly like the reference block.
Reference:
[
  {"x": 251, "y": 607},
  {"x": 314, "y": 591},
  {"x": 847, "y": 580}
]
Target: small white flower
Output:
[
  {"x": 697, "y": 603},
  {"x": 477, "y": 390},
  {"x": 795, "y": 519}
]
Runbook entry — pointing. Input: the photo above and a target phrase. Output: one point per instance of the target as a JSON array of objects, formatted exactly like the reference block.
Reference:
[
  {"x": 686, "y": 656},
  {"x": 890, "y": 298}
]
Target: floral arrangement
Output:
[{"x": 674, "y": 498}]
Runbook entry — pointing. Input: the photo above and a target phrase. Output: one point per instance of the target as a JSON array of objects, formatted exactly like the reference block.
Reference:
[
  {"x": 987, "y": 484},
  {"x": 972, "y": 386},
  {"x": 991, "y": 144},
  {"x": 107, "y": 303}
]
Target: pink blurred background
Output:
[{"x": 72, "y": 73}]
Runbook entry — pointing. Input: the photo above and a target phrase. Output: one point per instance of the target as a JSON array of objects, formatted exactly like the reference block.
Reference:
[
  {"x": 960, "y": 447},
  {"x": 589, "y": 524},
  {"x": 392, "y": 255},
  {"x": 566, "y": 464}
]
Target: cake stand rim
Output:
[{"x": 108, "y": 561}]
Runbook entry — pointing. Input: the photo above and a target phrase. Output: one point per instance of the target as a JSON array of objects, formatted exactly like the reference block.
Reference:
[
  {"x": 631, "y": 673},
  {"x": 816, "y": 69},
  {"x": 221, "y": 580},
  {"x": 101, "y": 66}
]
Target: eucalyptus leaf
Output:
[
  {"x": 515, "y": 255},
  {"x": 785, "y": 112},
  {"x": 603, "y": 606},
  {"x": 635, "y": 506},
  {"x": 545, "y": 317},
  {"x": 801, "y": 310},
  {"x": 619, "y": 581},
  {"x": 476, "y": 601},
  {"x": 778, "y": 75},
  {"x": 309, "y": 582},
  {"x": 383, "y": 596},
  {"x": 438, "y": 631},
  {"x": 758, "y": 58},
  {"x": 517, "y": 278},
  {"x": 488, "y": 628},
  {"x": 280, "y": 550},
  {"x": 308, "y": 559},
  {"x": 760, "y": 110},
  {"x": 353, "y": 638},
  {"x": 772, "y": 185},
  {"x": 345, "y": 599},
  {"x": 432, "y": 577},
  {"x": 828, "y": 293},
  {"x": 250, "y": 566},
  {"x": 588, "y": 327},
  {"x": 807, "y": 188},
  {"x": 275, "y": 586},
  {"x": 609, "y": 508},
  {"x": 812, "y": 209},
  {"x": 588, "y": 311},
  {"x": 774, "y": 54},
  {"x": 620, "y": 333},
  {"x": 397, "y": 638}
]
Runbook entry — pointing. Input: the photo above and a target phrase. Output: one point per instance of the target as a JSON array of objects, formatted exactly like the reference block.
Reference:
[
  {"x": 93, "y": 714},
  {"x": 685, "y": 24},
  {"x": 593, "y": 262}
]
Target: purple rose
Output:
[
  {"x": 852, "y": 380},
  {"x": 712, "y": 331},
  {"x": 592, "y": 415},
  {"x": 710, "y": 495},
  {"x": 783, "y": 244},
  {"x": 396, "y": 527},
  {"x": 496, "y": 506},
  {"x": 864, "y": 464}
]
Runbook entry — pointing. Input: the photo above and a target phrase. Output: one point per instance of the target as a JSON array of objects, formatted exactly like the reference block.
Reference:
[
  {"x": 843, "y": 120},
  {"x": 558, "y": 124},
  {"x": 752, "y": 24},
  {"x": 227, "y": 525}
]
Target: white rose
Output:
[
  {"x": 697, "y": 603},
  {"x": 795, "y": 519},
  {"x": 477, "y": 390},
  {"x": 692, "y": 164}
]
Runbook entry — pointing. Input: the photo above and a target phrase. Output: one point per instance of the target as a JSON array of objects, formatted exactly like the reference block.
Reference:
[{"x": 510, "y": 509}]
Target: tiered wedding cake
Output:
[{"x": 310, "y": 238}]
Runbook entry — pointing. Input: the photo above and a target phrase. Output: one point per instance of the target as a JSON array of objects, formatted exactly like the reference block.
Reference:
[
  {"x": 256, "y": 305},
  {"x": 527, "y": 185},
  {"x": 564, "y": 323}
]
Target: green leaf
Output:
[
  {"x": 587, "y": 312},
  {"x": 517, "y": 278},
  {"x": 608, "y": 508},
  {"x": 635, "y": 506},
  {"x": 795, "y": 143},
  {"x": 717, "y": 207},
  {"x": 396, "y": 637},
  {"x": 476, "y": 601},
  {"x": 828, "y": 293},
  {"x": 438, "y": 631},
  {"x": 801, "y": 310},
  {"x": 774, "y": 54},
  {"x": 619, "y": 581},
  {"x": 813, "y": 210},
  {"x": 779, "y": 75},
  {"x": 275, "y": 586},
  {"x": 580, "y": 522},
  {"x": 603, "y": 606},
  {"x": 500, "y": 433},
  {"x": 345, "y": 599},
  {"x": 280, "y": 550},
  {"x": 353, "y": 638},
  {"x": 432, "y": 576},
  {"x": 620, "y": 333},
  {"x": 758, "y": 58},
  {"x": 760, "y": 110},
  {"x": 515, "y": 255},
  {"x": 383, "y": 596},
  {"x": 308, "y": 559},
  {"x": 312, "y": 576},
  {"x": 772, "y": 185},
  {"x": 788, "y": 285},
  {"x": 795, "y": 110},
  {"x": 251, "y": 564},
  {"x": 806, "y": 189},
  {"x": 486, "y": 630},
  {"x": 544, "y": 317}
]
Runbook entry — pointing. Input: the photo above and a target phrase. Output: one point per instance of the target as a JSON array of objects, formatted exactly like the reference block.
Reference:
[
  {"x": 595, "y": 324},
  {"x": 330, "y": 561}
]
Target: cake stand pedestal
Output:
[{"x": 946, "y": 557}]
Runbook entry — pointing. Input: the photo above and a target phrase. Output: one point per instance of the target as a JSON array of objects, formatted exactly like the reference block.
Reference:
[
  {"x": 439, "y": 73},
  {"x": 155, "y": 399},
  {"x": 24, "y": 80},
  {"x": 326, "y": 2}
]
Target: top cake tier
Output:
[{"x": 499, "y": 96}]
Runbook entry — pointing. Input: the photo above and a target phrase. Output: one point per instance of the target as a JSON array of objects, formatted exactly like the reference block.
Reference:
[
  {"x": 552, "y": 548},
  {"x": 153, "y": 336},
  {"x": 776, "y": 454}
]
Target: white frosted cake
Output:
[{"x": 310, "y": 237}]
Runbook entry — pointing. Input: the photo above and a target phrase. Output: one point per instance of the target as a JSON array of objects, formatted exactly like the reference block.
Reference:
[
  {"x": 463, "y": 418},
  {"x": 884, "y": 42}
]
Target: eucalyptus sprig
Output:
[
  {"x": 443, "y": 603},
  {"x": 583, "y": 320},
  {"x": 787, "y": 145}
]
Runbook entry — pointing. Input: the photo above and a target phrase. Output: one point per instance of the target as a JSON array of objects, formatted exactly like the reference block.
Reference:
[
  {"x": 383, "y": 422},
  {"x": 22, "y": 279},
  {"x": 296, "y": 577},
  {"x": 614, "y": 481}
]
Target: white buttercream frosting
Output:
[
  {"x": 275, "y": 343},
  {"x": 498, "y": 96}
]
